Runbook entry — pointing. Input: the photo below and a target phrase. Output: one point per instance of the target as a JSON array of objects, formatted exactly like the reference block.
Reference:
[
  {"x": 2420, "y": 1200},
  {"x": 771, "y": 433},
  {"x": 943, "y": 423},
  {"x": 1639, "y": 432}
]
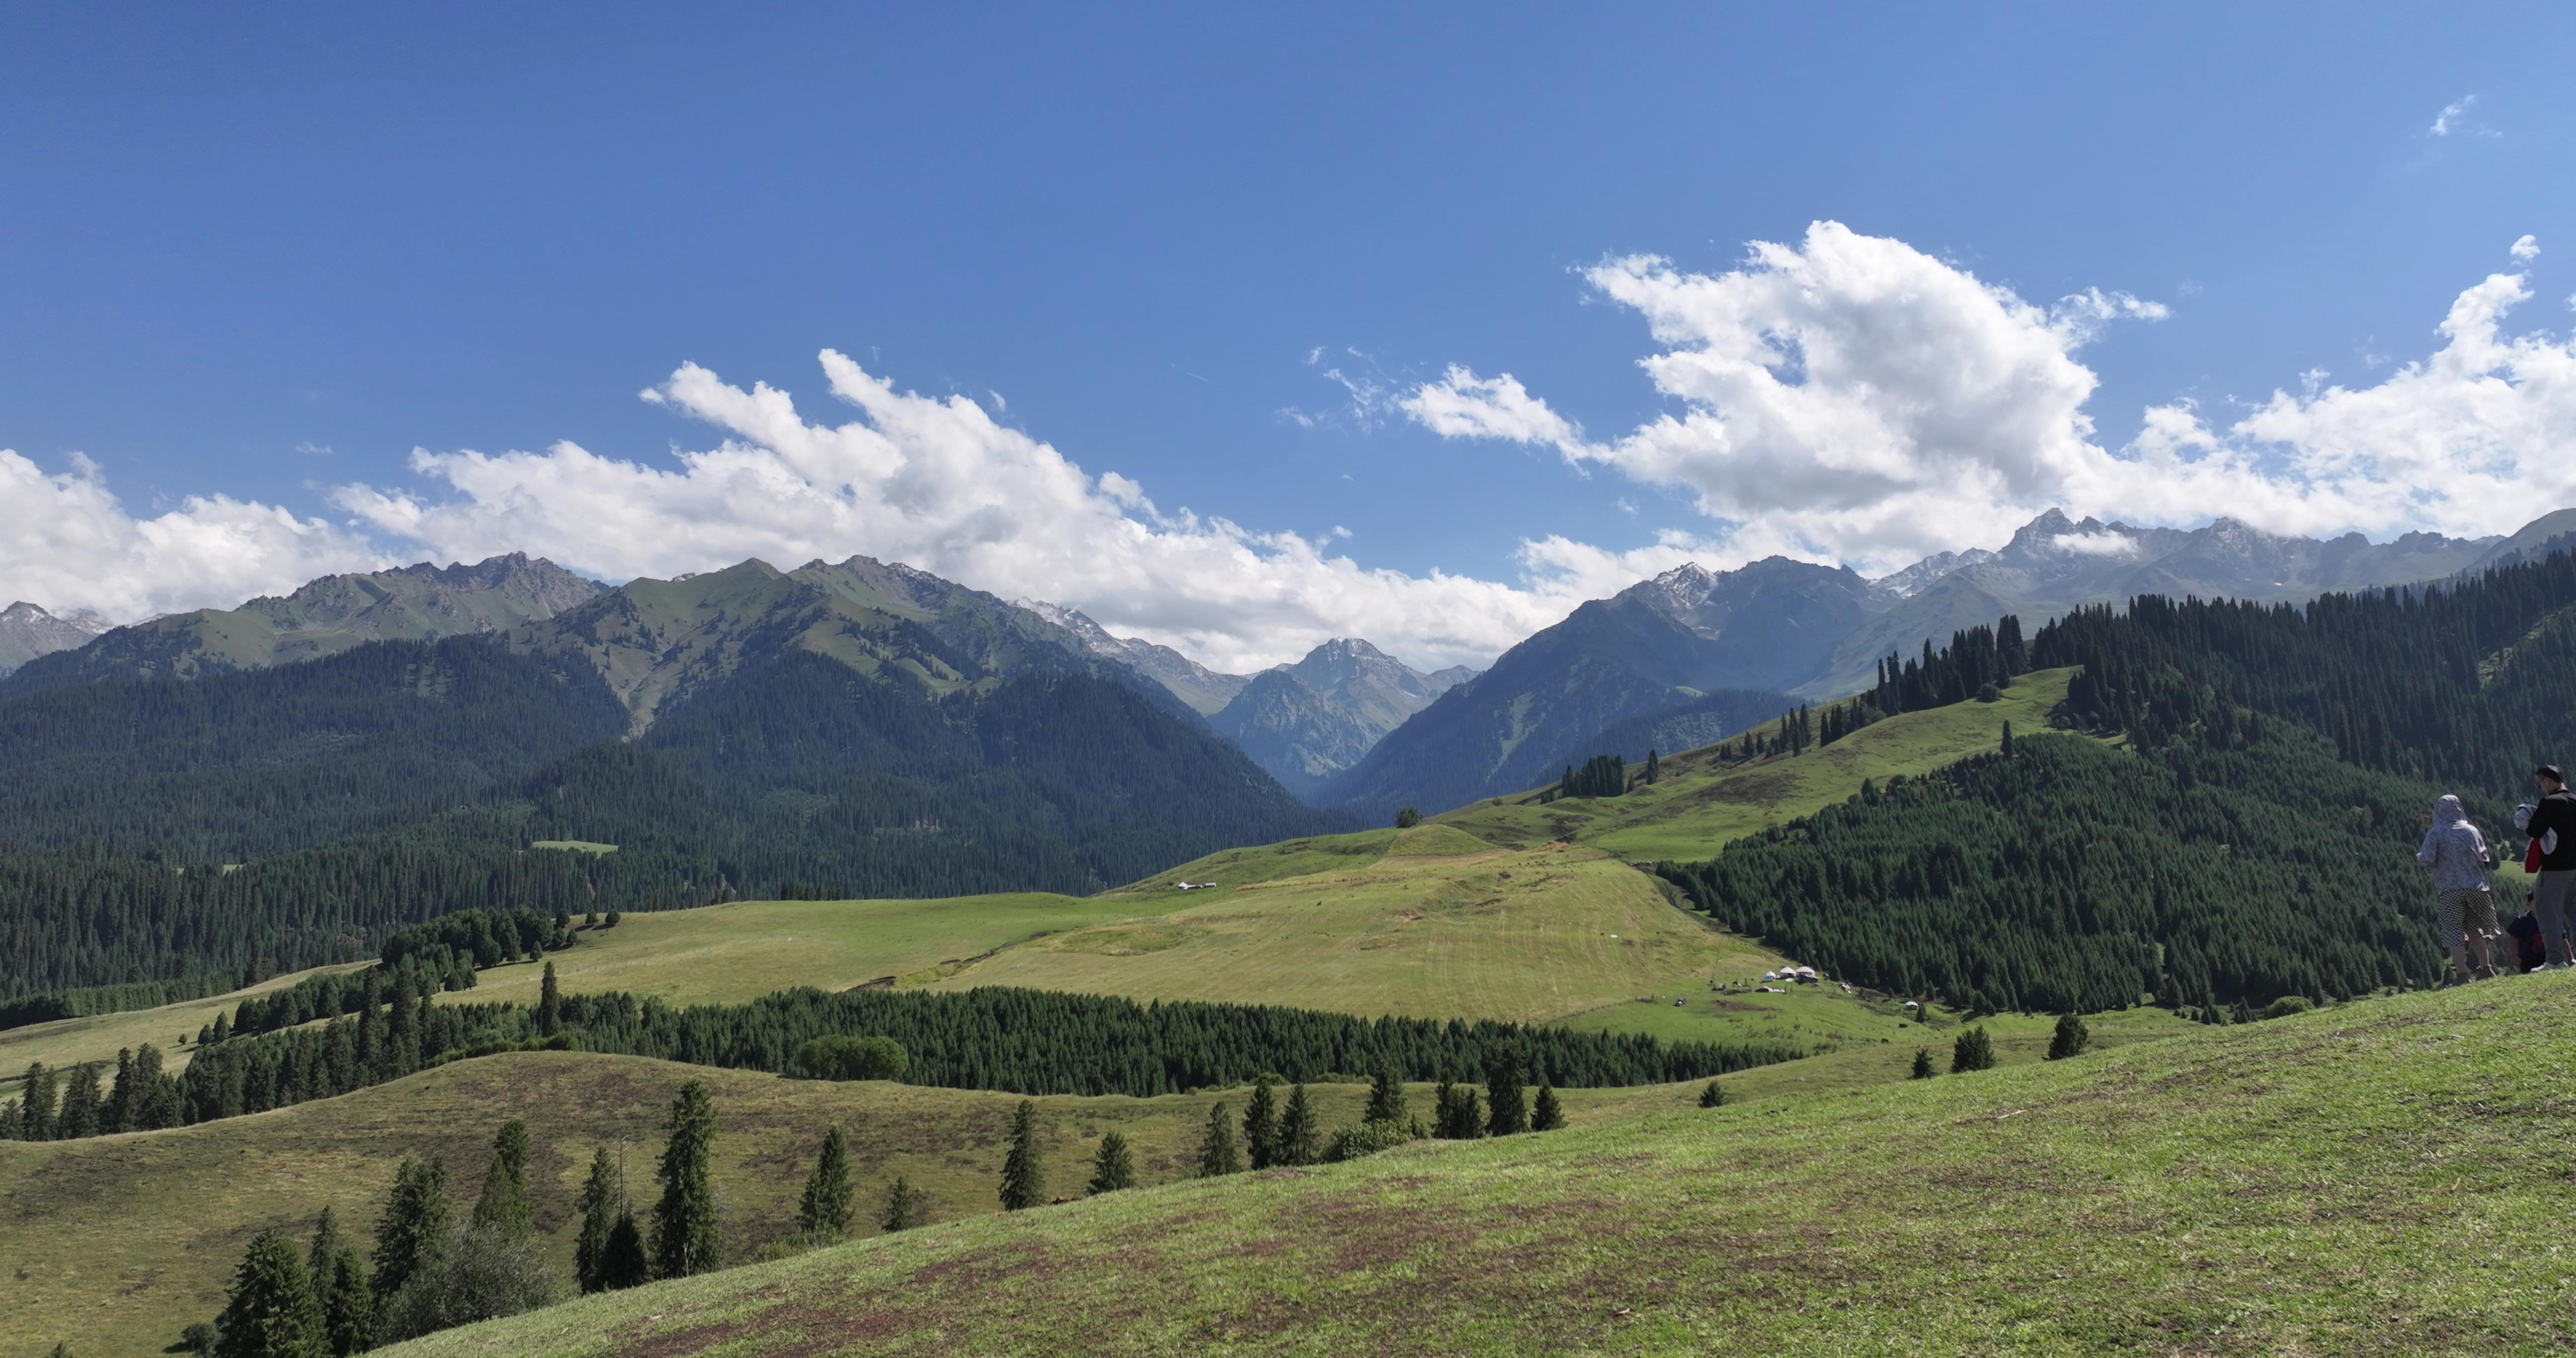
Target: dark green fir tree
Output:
[
  {"x": 1973, "y": 1050},
  {"x": 1113, "y": 1167},
  {"x": 270, "y": 1312},
  {"x": 905, "y": 1206},
  {"x": 1386, "y": 1097},
  {"x": 824, "y": 1210},
  {"x": 603, "y": 1201},
  {"x": 549, "y": 1004},
  {"x": 1261, "y": 1125},
  {"x": 1217, "y": 1154},
  {"x": 1923, "y": 1063},
  {"x": 1546, "y": 1115},
  {"x": 686, "y": 1236},
  {"x": 1023, "y": 1178},
  {"x": 504, "y": 1205},
  {"x": 1506, "y": 1093},
  {"x": 1714, "y": 1096},
  {"x": 1301, "y": 1136},
  {"x": 413, "y": 1228},
  {"x": 2072, "y": 1038}
]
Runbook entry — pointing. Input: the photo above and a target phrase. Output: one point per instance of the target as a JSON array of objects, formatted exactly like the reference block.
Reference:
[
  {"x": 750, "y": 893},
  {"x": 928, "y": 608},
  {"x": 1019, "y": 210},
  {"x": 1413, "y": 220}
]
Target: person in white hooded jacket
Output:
[{"x": 2457, "y": 854}]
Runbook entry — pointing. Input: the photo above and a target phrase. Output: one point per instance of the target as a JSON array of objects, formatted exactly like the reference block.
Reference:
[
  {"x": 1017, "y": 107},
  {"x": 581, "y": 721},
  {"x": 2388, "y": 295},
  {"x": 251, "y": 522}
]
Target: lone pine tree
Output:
[
  {"x": 1546, "y": 1115},
  {"x": 686, "y": 1237},
  {"x": 1217, "y": 1154},
  {"x": 2070, "y": 1039},
  {"x": 1301, "y": 1137},
  {"x": 504, "y": 1205},
  {"x": 1114, "y": 1167},
  {"x": 1261, "y": 1125},
  {"x": 1972, "y": 1051},
  {"x": 270, "y": 1312},
  {"x": 905, "y": 1206},
  {"x": 1023, "y": 1178},
  {"x": 1922, "y": 1063},
  {"x": 1714, "y": 1096},
  {"x": 825, "y": 1208}
]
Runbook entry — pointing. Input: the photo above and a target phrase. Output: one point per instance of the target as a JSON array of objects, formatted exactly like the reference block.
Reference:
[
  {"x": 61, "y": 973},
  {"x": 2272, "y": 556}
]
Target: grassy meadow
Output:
[
  {"x": 2386, "y": 1177},
  {"x": 1701, "y": 802}
]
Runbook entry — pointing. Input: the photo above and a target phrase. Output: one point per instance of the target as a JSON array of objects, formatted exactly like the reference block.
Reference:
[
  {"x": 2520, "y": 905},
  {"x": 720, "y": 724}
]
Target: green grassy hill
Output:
[
  {"x": 2383, "y": 1178},
  {"x": 1702, "y": 801},
  {"x": 184, "y": 1203}
]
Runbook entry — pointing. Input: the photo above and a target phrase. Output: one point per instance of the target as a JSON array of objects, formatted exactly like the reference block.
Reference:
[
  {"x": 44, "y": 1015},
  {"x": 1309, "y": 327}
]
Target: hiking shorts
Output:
[{"x": 2465, "y": 908}]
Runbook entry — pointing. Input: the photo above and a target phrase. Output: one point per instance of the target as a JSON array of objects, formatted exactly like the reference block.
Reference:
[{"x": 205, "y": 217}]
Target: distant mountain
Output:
[
  {"x": 859, "y": 728},
  {"x": 2551, "y": 532},
  {"x": 328, "y": 616},
  {"x": 1204, "y": 689},
  {"x": 1726, "y": 641},
  {"x": 2055, "y": 563},
  {"x": 1308, "y": 721},
  {"x": 27, "y": 632}
]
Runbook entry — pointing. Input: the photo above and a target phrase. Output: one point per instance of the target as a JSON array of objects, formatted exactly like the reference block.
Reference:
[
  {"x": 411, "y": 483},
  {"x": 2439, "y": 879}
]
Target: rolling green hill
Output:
[
  {"x": 1704, "y": 799},
  {"x": 2382, "y": 1178}
]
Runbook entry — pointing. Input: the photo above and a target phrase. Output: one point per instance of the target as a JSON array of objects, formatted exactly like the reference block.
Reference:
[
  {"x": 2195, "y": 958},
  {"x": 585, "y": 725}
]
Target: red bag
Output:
[{"x": 2531, "y": 857}]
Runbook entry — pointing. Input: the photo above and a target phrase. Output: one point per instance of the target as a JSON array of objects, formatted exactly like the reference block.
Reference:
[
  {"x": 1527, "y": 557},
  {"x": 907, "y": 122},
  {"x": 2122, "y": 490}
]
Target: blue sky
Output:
[{"x": 233, "y": 239}]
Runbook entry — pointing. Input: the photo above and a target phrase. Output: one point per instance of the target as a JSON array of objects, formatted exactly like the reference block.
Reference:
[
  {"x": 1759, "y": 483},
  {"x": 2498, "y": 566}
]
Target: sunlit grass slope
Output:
[
  {"x": 1534, "y": 935},
  {"x": 2383, "y": 1178},
  {"x": 1701, "y": 803},
  {"x": 113, "y": 1243},
  {"x": 99, "y": 1036}
]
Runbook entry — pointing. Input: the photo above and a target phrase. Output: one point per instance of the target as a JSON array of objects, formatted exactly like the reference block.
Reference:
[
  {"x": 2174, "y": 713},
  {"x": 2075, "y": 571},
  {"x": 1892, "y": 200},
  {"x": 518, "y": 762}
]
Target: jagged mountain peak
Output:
[
  {"x": 1205, "y": 690},
  {"x": 28, "y": 631}
]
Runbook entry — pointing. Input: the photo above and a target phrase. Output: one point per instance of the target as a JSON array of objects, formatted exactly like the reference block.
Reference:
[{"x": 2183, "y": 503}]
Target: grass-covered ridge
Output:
[{"x": 2381, "y": 1178}]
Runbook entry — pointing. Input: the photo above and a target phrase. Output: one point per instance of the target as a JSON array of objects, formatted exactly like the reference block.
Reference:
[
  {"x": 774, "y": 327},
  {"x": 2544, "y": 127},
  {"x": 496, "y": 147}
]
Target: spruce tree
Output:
[
  {"x": 825, "y": 1208},
  {"x": 1973, "y": 1050},
  {"x": 414, "y": 1226},
  {"x": 2070, "y": 1039},
  {"x": 319, "y": 1256},
  {"x": 1301, "y": 1138},
  {"x": 1217, "y": 1154},
  {"x": 1546, "y": 1115},
  {"x": 686, "y": 1238},
  {"x": 1023, "y": 1178},
  {"x": 156, "y": 1096},
  {"x": 270, "y": 1312},
  {"x": 1505, "y": 1093},
  {"x": 120, "y": 1098},
  {"x": 80, "y": 1108},
  {"x": 1922, "y": 1063},
  {"x": 504, "y": 1205},
  {"x": 2008, "y": 739},
  {"x": 549, "y": 1004},
  {"x": 603, "y": 1201},
  {"x": 1261, "y": 1125},
  {"x": 1714, "y": 1096},
  {"x": 1386, "y": 1097},
  {"x": 1113, "y": 1167},
  {"x": 905, "y": 1206},
  {"x": 349, "y": 1309},
  {"x": 1457, "y": 1115},
  {"x": 624, "y": 1263}
]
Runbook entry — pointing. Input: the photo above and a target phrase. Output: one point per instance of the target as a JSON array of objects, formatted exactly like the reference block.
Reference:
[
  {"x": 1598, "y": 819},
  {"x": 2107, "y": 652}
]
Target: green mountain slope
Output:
[
  {"x": 325, "y": 617},
  {"x": 2351, "y": 1181}
]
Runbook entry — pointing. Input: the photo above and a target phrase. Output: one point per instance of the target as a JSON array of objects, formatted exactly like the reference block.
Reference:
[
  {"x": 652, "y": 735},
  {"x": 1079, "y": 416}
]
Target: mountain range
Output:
[{"x": 1669, "y": 663}]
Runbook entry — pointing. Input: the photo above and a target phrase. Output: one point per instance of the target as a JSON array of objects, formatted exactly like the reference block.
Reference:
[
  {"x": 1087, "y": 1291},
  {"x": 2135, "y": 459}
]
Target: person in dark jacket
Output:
[{"x": 2552, "y": 826}]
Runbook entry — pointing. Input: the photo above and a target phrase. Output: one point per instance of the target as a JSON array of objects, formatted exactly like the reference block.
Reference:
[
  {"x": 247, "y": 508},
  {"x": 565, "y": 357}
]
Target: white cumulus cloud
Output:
[
  {"x": 937, "y": 483},
  {"x": 67, "y": 544},
  {"x": 1853, "y": 398},
  {"x": 2525, "y": 250}
]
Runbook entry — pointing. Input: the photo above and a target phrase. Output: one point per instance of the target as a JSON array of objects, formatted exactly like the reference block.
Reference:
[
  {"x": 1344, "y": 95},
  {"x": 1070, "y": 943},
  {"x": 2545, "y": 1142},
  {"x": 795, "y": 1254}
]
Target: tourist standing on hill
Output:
[
  {"x": 2552, "y": 827},
  {"x": 2458, "y": 856}
]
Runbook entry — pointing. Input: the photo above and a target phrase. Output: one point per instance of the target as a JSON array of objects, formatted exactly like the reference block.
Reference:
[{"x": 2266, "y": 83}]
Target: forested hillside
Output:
[
  {"x": 2240, "y": 865},
  {"x": 239, "y": 765}
]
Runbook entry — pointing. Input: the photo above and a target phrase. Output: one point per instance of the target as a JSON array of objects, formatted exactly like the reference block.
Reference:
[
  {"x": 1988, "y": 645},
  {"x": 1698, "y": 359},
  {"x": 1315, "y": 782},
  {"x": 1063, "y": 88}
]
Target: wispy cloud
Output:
[{"x": 2459, "y": 118}]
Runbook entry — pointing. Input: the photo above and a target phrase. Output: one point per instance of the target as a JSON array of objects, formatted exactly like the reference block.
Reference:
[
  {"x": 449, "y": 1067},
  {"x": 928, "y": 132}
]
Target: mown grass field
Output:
[
  {"x": 113, "y": 1243},
  {"x": 1701, "y": 803},
  {"x": 2388, "y": 1177}
]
